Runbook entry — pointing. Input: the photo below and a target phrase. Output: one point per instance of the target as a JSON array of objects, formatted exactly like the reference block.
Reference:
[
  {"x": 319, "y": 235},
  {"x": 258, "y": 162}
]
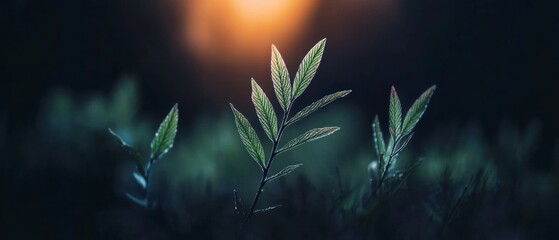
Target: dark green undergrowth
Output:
[{"x": 471, "y": 183}]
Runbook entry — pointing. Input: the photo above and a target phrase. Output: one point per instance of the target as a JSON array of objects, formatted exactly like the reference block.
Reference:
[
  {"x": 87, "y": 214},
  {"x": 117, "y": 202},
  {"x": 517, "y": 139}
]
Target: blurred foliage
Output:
[
  {"x": 210, "y": 153},
  {"x": 501, "y": 194},
  {"x": 461, "y": 150},
  {"x": 67, "y": 121}
]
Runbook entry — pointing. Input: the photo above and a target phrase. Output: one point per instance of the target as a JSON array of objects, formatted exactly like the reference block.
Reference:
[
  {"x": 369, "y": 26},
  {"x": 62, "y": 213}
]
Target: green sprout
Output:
[
  {"x": 286, "y": 94},
  {"x": 401, "y": 133},
  {"x": 161, "y": 143}
]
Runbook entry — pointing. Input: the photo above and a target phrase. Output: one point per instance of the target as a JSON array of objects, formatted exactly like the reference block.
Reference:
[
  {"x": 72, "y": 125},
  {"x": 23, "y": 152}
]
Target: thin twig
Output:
[
  {"x": 450, "y": 215},
  {"x": 267, "y": 209},
  {"x": 339, "y": 178},
  {"x": 408, "y": 173}
]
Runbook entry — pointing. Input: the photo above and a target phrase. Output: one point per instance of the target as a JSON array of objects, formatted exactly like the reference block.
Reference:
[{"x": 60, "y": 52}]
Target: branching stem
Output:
[{"x": 266, "y": 169}]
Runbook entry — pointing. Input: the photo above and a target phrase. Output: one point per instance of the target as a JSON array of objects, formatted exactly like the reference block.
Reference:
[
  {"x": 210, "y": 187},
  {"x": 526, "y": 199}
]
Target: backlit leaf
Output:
[
  {"x": 308, "y": 136},
  {"x": 284, "y": 172},
  {"x": 395, "y": 113},
  {"x": 316, "y": 105},
  {"x": 165, "y": 135},
  {"x": 249, "y": 137},
  {"x": 307, "y": 68},
  {"x": 416, "y": 110},
  {"x": 265, "y": 111},
  {"x": 280, "y": 78},
  {"x": 378, "y": 138}
]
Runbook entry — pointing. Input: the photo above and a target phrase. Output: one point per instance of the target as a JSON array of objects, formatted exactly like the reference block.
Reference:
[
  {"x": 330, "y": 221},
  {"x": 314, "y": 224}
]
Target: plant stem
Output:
[
  {"x": 448, "y": 217},
  {"x": 266, "y": 169},
  {"x": 387, "y": 166},
  {"x": 147, "y": 174},
  {"x": 408, "y": 173}
]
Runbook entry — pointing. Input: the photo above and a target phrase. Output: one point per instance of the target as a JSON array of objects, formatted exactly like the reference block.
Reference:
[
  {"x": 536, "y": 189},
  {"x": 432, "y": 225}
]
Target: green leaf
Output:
[
  {"x": 141, "y": 161},
  {"x": 395, "y": 113},
  {"x": 378, "y": 138},
  {"x": 316, "y": 105},
  {"x": 265, "y": 111},
  {"x": 307, "y": 68},
  {"x": 249, "y": 138},
  {"x": 416, "y": 110},
  {"x": 308, "y": 136},
  {"x": 284, "y": 172},
  {"x": 281, "y": 80},
  {"x": 165, "y": 135}
]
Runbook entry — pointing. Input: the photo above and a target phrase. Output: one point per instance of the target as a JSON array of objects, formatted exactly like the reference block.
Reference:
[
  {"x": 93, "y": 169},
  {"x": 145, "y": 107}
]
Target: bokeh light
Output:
[{"x": 231, "y": 29}]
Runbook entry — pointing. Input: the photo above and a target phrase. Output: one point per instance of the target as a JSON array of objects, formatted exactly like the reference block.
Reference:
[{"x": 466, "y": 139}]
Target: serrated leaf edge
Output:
[
  {"x": 308, "y": 68},
  {"x": 308, "y": 136},
  {"x": 246, "y": 130},
  {"x": 316, "y": 105},
  {"x": 280, "y": 79},
  {"x": 165, "y": 136},
  {"x": 264, "y": 110}
]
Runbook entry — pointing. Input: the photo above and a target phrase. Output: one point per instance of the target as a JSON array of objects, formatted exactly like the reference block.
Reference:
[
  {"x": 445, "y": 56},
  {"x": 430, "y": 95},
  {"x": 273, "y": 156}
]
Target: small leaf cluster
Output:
[
  {"x": 286, "y": 93},
  {"x": 161, "y": 143},
  {"x": 401, "y": 132}
]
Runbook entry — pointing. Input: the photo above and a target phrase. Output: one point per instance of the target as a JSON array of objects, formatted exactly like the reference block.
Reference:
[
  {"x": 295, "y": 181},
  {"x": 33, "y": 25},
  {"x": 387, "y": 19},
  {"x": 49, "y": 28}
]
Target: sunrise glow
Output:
[{"x": 224, "y": 30}]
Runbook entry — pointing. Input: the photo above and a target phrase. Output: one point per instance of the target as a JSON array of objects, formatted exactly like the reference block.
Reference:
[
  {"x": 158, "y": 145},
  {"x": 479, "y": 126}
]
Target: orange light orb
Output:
[{"x": 242, "y": 30}]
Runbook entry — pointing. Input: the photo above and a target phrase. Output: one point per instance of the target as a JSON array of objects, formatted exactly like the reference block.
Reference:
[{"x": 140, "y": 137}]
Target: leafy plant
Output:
[
  {"x": 286, "y": 94},
  {"x": 161, "y": 143},
  {"x": 401, "y": 133}
]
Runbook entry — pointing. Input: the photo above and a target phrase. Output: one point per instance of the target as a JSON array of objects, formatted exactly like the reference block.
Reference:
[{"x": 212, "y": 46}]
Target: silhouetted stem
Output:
[
  {"x": 408, "y": 173},
  {"x": 448, "y": 216},
  {"x": 266, "y": 169}
]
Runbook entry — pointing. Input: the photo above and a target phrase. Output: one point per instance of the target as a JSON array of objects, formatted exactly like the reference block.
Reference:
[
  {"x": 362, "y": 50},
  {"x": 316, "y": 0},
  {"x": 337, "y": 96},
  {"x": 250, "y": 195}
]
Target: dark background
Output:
[{"x": 492, "y": 61}]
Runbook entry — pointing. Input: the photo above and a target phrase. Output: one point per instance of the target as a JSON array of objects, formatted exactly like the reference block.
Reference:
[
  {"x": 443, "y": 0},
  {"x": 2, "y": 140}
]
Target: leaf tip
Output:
[
  {"x": 254, "y": 84},
  {"x": 175, "y": 110},
  {"x": 232, "y": 107},
  {"x": 432, "y": 89},
  {"x": 393, "y": 92},
  {"x": 333, "y": 130}
]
